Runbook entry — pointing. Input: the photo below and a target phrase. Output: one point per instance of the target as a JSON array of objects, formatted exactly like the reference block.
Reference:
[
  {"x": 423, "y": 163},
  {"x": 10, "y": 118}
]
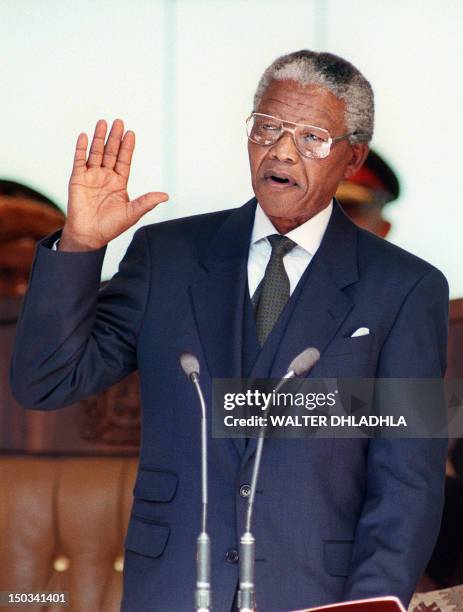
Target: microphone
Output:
[
  {"x": 303, "y": 363},
  {"x": 190, "y": 365},
  {"x": 299, "y": 366},
  {"x": 203, "y": 592}
]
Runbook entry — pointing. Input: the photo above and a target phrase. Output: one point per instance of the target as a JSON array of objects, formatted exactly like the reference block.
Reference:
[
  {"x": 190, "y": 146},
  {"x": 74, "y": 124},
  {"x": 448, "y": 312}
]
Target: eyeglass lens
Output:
[{"x": 311, "y": 141}]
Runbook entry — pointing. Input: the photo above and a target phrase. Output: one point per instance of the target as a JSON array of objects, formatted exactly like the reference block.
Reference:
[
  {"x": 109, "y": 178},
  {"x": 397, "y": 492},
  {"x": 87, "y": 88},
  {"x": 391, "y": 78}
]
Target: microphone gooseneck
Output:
[
  {"x": 203, "y": 592},
  {"x": 299, "y": 366}
]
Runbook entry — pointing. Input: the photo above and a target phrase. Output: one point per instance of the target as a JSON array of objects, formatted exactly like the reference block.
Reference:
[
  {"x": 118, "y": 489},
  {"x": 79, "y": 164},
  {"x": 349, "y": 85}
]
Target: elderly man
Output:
[{"x": 246, "y": 290}]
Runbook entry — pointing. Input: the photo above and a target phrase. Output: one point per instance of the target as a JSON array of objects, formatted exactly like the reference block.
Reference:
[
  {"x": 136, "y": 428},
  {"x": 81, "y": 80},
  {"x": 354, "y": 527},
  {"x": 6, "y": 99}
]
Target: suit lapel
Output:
[
  {"x": 321, "y": 304},
  {"x": 318, "y": 313},
  {"x": 218, "y": 297}
]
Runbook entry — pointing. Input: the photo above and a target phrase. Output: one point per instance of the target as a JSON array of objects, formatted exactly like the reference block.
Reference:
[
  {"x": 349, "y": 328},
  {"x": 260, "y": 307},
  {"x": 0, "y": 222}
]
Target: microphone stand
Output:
[
  {"x": 246, "y": 593},
  {"x": 203, "y": 591}
]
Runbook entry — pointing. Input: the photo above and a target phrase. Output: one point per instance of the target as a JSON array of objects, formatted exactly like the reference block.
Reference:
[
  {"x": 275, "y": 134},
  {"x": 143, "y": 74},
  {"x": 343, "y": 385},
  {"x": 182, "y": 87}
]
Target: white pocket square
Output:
[{"x": 361, "y": 331}]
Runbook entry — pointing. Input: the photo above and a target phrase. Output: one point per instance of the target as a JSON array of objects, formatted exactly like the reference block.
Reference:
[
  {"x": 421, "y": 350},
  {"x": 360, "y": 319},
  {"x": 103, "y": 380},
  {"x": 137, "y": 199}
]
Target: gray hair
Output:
[{"x": 335, "y": 74}]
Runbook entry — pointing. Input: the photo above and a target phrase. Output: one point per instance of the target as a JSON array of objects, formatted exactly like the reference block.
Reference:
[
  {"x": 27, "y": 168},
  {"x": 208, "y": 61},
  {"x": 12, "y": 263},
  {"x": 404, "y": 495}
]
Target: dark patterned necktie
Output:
[{"x": 273, "y": 292}]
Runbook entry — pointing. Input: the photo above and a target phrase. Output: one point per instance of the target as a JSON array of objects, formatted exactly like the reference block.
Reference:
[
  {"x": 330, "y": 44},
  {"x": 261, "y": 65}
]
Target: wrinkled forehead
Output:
[{"x": 309, "y": 104}]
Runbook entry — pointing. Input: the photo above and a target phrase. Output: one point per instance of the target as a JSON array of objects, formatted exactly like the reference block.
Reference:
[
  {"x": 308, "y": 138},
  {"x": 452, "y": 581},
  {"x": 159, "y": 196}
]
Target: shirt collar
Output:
[{"x": 308, "y": 235}]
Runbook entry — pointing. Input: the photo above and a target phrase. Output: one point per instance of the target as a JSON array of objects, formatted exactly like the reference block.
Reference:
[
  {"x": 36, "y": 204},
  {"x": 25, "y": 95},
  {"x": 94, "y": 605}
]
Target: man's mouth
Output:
[{"x": 279, "y": 180}]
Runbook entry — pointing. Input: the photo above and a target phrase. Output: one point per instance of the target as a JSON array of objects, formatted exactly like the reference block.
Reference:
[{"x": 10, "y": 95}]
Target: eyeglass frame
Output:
[{"x": 331, "y": 141}]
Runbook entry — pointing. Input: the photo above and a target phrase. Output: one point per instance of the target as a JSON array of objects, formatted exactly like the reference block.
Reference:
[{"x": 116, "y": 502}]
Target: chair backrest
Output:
[{"x": 62, "y": 527}]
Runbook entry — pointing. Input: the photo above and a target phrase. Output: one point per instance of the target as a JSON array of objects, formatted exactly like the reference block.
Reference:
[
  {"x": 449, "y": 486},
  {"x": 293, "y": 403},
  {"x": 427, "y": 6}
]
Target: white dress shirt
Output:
[{"x": 307, "y": 237}]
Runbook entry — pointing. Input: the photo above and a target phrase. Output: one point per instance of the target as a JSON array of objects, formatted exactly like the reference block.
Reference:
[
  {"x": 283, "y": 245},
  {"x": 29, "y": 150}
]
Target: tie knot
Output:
[{"x": 280, "y": 244}]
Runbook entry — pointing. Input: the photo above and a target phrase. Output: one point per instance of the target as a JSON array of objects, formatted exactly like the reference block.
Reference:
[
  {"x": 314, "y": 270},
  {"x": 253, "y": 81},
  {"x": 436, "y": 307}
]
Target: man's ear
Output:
[{"x": 359, "y": 153}]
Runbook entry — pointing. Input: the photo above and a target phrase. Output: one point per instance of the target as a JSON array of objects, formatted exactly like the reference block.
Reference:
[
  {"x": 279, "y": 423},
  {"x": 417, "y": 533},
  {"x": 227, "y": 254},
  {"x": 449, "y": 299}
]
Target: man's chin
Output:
[{"x": 279, "y": 207}]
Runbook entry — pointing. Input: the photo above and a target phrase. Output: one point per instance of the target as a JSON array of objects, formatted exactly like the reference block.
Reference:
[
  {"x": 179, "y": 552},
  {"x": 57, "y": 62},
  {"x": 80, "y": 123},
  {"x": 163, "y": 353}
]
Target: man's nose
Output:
[{"x": 284, "y": 150}]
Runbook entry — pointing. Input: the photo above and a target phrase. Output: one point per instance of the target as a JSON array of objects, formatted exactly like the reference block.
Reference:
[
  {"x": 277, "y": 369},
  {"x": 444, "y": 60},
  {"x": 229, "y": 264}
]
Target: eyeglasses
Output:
[{"x": 311, "y": 141}]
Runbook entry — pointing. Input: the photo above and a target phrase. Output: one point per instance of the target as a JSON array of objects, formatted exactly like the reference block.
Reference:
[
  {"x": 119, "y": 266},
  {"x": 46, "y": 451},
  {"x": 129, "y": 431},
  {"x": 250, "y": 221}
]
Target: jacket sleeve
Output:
[
  {"x": 403, "y": 504},
  {"x": 74, "y": 339}
]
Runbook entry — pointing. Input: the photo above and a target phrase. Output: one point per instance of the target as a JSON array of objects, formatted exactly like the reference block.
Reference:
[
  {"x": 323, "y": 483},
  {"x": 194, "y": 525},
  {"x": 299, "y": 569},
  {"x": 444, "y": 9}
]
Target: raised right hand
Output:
[{"x": 99, "y": 206}]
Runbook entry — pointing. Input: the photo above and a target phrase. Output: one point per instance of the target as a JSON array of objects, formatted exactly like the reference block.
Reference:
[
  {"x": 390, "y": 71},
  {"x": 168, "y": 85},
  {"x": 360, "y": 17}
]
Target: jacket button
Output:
[
  {"x": 245, "y": 490},
  {"x": 232, "y": 555}
]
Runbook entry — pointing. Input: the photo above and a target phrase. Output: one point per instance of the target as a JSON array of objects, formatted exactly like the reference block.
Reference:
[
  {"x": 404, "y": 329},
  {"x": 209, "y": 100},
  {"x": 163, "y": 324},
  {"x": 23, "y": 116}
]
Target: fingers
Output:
[
  {"x": 124, "y": 157},
  {"x": 80, "y": 156},
  {"x": 147, "y": 202},
  {"x": 113, "y": 144},
  {"x": 116, "y": 154},
  {"x": 97, "y": 148}
]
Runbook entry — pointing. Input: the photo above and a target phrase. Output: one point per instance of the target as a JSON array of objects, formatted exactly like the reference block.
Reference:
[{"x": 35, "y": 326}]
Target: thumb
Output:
[{"x": 147, "y": 202}]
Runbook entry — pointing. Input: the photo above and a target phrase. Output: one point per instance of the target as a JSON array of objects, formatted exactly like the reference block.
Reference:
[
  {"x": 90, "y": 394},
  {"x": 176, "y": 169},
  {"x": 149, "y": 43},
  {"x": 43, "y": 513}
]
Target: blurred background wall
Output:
[{"x": 182, "y": 74}]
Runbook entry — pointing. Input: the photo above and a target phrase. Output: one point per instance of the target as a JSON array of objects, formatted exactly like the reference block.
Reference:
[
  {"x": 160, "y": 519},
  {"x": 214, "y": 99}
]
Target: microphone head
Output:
[
  {"x": 304, "y": 362},
  {"x": 189, "y": 363}
]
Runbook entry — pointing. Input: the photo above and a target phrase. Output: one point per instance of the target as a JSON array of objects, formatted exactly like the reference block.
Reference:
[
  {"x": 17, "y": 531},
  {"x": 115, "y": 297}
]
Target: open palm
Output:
[{"x": 99, "y": 206}]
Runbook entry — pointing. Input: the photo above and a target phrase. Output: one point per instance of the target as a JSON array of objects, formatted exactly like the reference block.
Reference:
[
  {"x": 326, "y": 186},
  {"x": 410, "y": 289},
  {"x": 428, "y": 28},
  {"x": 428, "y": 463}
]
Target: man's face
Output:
[{"x": 312, "y": 182}]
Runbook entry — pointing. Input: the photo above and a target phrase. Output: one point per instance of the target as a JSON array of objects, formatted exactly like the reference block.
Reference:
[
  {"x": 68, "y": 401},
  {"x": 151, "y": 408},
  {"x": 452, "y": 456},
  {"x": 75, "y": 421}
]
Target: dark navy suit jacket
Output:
[{"x": 334, "y": 519}]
